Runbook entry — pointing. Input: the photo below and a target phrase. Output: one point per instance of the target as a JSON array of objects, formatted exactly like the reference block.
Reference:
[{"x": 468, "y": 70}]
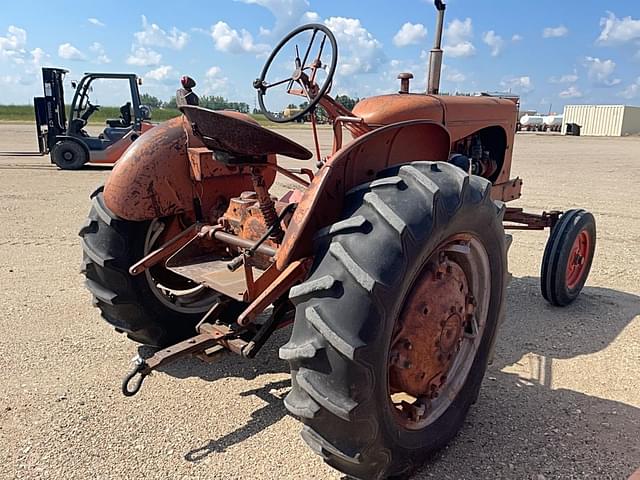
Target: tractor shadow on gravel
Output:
[
  {"x": 231, "y": 365},
  {"x": 264, "y": 417},
  {"x": 526, "y": 427},
  {"x": 519, "y": 428}
]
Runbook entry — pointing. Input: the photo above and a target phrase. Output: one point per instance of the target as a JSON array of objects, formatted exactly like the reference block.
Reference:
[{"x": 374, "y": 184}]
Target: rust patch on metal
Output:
[
  {"x": 357, "y": 163},
  {"x": 294, "y": 273},
  {"x": 517, "y": 219},
  {"x": 234, "y": 135},
  {"x": 430, "y": 330},
  {"x": 507, "y": 191},
  {"x": 154, "y": 176}
]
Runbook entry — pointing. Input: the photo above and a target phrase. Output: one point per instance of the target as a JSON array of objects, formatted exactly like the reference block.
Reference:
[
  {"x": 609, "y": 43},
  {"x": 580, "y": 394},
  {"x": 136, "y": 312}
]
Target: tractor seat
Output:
[{"x": 240, "y": 141}]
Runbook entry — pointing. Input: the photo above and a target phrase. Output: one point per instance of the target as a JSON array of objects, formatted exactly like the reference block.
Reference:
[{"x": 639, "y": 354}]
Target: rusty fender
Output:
[
  {"x": 153, "y": 179},
  {"x": 354, "y": 164}
]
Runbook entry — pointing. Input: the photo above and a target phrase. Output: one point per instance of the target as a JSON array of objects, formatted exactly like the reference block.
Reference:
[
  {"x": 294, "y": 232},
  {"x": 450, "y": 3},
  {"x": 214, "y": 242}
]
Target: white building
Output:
[{"x": 603, "y": 120}]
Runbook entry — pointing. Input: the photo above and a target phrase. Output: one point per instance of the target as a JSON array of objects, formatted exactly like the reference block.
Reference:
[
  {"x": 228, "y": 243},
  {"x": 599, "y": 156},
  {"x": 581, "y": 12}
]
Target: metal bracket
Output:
[{"x": 142, "y": 368}]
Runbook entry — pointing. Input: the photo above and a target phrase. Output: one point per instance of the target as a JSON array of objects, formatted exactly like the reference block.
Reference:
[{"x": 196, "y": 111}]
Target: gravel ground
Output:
[{"x": 561, "y": 400}]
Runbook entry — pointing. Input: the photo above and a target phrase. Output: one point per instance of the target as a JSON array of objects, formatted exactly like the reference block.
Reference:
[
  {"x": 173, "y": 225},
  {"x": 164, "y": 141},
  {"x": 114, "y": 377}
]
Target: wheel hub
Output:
[
  {"x": 430, "y": 329},
  {"x": 576, "y": 265}
]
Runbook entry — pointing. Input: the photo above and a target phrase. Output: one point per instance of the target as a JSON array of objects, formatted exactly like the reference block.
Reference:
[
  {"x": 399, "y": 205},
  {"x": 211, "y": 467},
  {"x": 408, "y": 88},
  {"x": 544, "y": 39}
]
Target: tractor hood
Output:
[{"x": 456, "y": 112}]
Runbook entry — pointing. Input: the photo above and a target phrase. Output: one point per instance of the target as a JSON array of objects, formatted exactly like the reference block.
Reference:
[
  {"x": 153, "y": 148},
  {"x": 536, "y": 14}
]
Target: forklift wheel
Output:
[
  {"x": 69, "y": 155},
  {"x": 567, "y": 257}
]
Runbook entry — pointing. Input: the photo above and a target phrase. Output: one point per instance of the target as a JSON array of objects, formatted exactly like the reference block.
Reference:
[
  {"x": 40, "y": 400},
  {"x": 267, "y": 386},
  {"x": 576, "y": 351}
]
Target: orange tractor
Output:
[{"x": 390, "y": 260}]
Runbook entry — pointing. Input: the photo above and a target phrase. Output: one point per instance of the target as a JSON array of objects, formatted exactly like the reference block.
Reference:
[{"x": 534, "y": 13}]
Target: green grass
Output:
[{"x": 25, "y": 114}]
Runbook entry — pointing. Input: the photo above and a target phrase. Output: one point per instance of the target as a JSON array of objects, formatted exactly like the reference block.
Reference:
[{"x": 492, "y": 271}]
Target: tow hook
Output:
[
  {"x": 209, "y": 336},
  {"x": 141, "y": 370}
]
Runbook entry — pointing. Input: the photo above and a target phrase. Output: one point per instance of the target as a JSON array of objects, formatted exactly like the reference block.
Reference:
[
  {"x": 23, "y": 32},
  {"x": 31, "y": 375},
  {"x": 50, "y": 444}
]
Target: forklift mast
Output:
[{"x": 51, "y": 119}]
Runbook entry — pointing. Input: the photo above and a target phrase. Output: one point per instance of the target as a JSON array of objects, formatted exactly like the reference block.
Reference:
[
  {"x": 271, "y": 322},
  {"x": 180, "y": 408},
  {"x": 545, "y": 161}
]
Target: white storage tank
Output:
[
  {"x": 603, "y": 120},
  {"x": 553, "y": 120},
  {"x": 531, "y": 120}
]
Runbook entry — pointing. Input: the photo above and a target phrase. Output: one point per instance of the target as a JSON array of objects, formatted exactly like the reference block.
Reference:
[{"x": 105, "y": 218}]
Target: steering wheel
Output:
[
  {"x": 91, "y": 109},
  {"x": 305, "y": 70}
]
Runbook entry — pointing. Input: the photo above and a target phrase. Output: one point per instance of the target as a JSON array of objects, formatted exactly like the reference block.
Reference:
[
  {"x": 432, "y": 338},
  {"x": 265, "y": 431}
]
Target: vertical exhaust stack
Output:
[{"x": 435, "y": 56}]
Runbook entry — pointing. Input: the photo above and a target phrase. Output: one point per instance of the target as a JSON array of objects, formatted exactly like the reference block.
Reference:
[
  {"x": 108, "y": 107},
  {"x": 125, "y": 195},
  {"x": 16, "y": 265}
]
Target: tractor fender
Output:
[
  {"x": 355, "y": 164},
  {"x": 153, "y": 177}
]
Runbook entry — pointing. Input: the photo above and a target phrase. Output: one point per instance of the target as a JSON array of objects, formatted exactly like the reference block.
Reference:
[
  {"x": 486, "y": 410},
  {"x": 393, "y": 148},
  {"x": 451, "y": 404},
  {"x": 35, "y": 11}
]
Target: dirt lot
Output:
[{"x": 562, "y": 399}]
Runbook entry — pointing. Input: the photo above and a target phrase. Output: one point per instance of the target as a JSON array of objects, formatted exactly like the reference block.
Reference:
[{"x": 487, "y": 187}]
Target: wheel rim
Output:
[
  {"x": 176, "y": 294},
  {"x": 438, "y": 333},
  {"x": 578, "y": 259}
]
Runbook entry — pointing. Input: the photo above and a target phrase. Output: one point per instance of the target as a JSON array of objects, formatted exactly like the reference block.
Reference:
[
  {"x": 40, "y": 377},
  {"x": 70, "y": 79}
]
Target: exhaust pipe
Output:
[{"x": 435, "y": 56}]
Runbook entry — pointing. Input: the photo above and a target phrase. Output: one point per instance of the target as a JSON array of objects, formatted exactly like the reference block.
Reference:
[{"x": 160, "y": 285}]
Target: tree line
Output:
[{"x": 215, "y": 102}]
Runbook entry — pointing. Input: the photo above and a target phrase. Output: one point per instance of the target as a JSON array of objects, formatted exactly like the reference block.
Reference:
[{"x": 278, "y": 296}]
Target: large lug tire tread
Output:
[
  {"x": 365, "y": 265},
  {"x": 556, "y": 254},
  {"x": 110, "y": 246},
  {"x": 80, "y": 155}
]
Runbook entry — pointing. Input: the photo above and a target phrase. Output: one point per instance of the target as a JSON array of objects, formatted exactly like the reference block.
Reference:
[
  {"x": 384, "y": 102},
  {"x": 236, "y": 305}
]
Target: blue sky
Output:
[{"x": 549, "y": 52}]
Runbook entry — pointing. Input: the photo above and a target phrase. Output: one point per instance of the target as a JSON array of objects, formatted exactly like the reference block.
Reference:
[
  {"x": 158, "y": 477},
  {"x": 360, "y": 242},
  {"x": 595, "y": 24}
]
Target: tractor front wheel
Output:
[
  {"x": 395, "y": 325},
  {"x": 567, "y": 257},
  {"x": 69, "y": 155}
]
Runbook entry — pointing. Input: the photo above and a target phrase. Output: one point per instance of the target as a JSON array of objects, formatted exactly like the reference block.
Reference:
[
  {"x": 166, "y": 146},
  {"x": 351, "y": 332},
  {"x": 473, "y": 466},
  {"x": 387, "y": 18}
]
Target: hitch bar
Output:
[{"x": 211, "y": 335}]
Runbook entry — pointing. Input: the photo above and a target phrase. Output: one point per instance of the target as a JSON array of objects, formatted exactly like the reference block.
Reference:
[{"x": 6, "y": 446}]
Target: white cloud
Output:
[
  {"x": 555, "y": 32},
  {"x": 464, "y": 49},
  {"x": 410, "y": 34},
  {"x": 310, "y": 17},
  {"x": 494, "y": 41},
  {"x": 360, "y": 51},
  {"x": 213, "y": 72},
  {"x": 516, "y": 38},
  {"x": 600, "y": 71},
  {"x": 154, "y": 36},
  {"x": 522, "y": 84},
  {"x": 12, "y": 80},
  {"x": 229, "y": 40},
  {"x": 453, "y": 75},
  {"x": 161, "y": 74},
  {"x": 15, "y": 39},
  {"x": 287, "y": 13},
  {"x": 566, "y": 78},
  {"x": 144, "y": 57},
  {"x": 38, "y": 56},
  {"x": 69, "y": 52},
  {"x": 95, "y": 21},
  {"x": 632, "y": 91},
  {"x": 101, "y": 56},
  {"x": 12, "y": 45},
  {"x": 571, "y": 92},
  {"x": 458, "y": 36},
  {"x": 215, "y": 82},
  {"x": 616, "y": 30}
]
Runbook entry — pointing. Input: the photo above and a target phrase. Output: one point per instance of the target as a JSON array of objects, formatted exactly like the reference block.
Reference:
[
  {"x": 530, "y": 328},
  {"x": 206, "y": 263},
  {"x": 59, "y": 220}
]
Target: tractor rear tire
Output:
[
  {"x": 69, "y": 155},
  {"x": 110, "y": 246},
  {"x": 567, "y": 257},
  {"x": 367, "y": 267}
]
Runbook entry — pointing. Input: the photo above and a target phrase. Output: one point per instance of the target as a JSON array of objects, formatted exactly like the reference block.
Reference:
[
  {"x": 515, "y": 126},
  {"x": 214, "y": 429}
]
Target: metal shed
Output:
[{"x": 603, "y": 120}]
